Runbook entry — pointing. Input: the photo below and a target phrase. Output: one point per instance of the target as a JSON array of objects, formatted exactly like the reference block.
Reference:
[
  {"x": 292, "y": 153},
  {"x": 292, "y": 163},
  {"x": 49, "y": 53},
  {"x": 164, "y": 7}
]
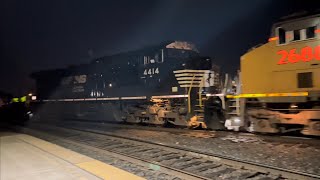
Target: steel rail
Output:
[
  {"x": 133, "y": 159},
  {"x": 286, "y": 173}
]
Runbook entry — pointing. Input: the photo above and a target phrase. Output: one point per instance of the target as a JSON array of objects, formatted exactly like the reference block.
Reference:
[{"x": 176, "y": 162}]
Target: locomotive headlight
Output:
[
  {"x": 236, "y": 121},
  {"x": 30, "y": 114},
  {"x": 110, "y": 85},
  {"x": 293, "y": 106}
]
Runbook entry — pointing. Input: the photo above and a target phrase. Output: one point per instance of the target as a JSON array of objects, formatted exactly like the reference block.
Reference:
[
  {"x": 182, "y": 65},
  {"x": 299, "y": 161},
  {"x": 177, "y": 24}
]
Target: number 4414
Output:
[{"x": 151, "y": 71}]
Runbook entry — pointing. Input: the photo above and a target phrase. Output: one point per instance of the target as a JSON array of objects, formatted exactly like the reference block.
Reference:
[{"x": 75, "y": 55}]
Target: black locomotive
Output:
[{"x": 158, "y": 84}]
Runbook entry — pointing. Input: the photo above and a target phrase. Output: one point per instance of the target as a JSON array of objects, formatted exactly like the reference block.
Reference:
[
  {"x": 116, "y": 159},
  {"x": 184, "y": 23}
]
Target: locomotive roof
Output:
[
  {"x": 291, "y": 20},
  {"x": 37, "y": 74},
  {"x": 151, "y": 49},
  {"x": 299, "y": 15},
  {"x": 147, "y": 49},
  {"x": 58, "y": 72},
  {"x": 142, "y": 51}
]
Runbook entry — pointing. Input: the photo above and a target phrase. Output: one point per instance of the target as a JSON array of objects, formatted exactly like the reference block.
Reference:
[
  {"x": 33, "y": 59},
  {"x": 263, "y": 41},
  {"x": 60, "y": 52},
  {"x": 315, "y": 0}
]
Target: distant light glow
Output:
[
  {"x": 23, "y": 99},
  {"x": 33, "y": 98},
  {"x": 110, "y": 85}
]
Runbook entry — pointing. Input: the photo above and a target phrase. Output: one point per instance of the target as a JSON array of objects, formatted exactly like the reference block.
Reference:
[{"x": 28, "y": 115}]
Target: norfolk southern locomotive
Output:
[{"x": 164, "y": 84}]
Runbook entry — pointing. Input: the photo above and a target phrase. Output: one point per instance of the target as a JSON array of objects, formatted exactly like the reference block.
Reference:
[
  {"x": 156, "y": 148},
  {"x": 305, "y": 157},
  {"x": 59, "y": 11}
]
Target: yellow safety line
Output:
[
  {"x": 93, "y": 166},
  {"x": 106, "y": 171},
  {"x": 292, "y": 94}
]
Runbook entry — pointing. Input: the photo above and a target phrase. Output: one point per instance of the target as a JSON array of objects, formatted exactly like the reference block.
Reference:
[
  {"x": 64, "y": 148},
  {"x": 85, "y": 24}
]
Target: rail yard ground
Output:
[{"x": 297, "y": 154}]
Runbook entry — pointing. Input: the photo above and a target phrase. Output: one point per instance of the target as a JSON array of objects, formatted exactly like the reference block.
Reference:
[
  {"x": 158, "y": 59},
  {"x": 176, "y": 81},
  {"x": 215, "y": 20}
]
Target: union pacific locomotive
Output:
[
  {"x": 280, "y": 80},
  {"x": 277, "y": 89}
]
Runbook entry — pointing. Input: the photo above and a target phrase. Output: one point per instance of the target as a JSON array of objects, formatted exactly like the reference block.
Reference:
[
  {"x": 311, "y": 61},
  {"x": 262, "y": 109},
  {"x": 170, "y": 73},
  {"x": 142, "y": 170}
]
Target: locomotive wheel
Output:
[
  {"x": 316, "y": 126},
  {"x": 265, "y": 126},
  {"x": 194, "y": 123},
  {"x": 166, "y": 123},
  {"x": 214, "y": 121},
  {"x": 248, "y": 124},
  {"x": 195, "y": 127},
  {"x": 260, "y": 125},
  {"x": 313, "y": 128}
]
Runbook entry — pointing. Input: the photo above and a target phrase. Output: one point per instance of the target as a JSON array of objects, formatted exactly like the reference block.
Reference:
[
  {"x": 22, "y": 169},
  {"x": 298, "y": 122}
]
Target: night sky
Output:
[{"x": 38, "y": 35}]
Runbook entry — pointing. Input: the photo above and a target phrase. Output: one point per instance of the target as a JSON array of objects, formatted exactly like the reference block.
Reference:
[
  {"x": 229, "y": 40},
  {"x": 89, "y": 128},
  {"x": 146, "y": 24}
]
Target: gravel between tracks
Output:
[
  {"x": 182, "y": 161},
  {"x": 275, "y": 151},
  {"x": 139, "y": 170}
]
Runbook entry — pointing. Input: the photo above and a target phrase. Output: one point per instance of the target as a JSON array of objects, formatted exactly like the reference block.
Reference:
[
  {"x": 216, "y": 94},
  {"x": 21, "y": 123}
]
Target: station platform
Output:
[{"x": 29, "y": 158}]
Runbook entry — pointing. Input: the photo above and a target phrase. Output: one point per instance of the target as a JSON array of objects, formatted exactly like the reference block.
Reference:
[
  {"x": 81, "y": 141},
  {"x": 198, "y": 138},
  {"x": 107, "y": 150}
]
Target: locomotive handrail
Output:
[
  {"x": 189, "y": 91},
  {"x": 200, "y": 89}
]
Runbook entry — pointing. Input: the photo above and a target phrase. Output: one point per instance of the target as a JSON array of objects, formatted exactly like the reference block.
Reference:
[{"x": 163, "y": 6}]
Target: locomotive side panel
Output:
[
  {"x": 255, "y": 70},
  {"x": 285, "y": 63},
  {"x": 148, "y": 85}
]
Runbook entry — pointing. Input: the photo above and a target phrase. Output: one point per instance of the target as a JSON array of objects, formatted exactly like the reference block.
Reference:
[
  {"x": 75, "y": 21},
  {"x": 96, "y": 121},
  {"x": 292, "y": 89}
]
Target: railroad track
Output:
[
  {"x": 180, "y": 132},
  {"x": 186, "y": 163},
  {"x": 185, "y": 131}
]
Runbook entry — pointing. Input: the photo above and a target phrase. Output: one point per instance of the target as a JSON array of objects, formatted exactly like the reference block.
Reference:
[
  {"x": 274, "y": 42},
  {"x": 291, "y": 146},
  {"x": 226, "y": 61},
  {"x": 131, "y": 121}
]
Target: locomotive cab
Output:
[{"x": 283, "y": 77}]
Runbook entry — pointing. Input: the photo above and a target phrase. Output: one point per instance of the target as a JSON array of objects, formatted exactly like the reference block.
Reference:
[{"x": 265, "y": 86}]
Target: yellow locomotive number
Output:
[{"x": 305, "y": 55}]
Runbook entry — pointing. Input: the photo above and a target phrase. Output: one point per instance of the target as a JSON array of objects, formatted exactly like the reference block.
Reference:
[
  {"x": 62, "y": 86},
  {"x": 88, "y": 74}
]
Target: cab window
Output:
[
  {"x": 296, "y": 35},
  {"x": 282, "y": 36},
  {"x": 310, "y": 32}
]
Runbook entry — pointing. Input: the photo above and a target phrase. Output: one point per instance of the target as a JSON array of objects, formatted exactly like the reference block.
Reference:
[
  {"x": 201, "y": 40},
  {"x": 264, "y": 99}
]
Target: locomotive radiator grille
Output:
[{"x": 194, "y": 78}]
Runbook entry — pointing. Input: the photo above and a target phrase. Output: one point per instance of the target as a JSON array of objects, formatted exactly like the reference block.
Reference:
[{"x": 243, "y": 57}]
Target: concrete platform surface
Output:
[{"x": 29, "y": 158}]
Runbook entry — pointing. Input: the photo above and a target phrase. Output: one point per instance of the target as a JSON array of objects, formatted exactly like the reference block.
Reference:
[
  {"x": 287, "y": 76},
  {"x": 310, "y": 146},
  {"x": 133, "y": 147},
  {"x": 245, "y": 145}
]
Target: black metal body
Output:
[{"x": 145, "y": 72}]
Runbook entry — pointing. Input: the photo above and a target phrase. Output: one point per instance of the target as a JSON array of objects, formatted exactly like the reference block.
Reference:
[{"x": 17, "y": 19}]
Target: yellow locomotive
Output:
[{"x": 279, "y": 87}]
